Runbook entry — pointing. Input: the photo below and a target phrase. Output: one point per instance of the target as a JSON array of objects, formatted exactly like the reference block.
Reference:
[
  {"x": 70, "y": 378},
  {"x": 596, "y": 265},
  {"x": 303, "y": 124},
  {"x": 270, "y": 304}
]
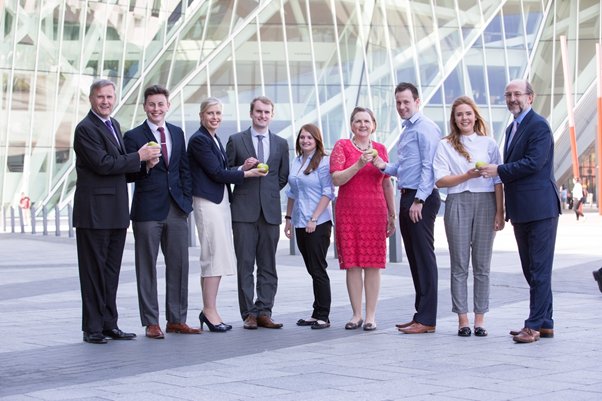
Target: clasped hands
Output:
[{"x": 371, "y": 156}]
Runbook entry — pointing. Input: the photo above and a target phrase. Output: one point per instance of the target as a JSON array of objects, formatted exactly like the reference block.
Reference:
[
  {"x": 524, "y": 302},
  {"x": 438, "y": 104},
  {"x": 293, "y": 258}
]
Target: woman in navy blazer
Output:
[{"x": 211, "y": 195}]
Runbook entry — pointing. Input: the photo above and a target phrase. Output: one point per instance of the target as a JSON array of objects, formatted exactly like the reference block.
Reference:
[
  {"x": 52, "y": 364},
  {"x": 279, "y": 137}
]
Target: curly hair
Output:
[{"x": 455, "y": 136}]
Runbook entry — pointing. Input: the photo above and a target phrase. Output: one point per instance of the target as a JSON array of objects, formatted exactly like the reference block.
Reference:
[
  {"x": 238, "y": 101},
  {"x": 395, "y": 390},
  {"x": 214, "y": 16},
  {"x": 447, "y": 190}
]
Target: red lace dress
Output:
[{"x": 361, "y": 210}]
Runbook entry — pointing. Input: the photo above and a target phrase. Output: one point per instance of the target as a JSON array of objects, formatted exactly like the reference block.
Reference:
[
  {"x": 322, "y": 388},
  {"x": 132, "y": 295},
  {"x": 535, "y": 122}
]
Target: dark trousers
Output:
[
  {"x": 579, "y": 207},
  {"x": 99, "y": 254},
  {"x": 171, "y": 235},
  {"x": 313, "y": 248},
  {"x": 536, "y": 241},
  {"x": 419, "y": 244},
  {"x": 256, "y": 242}
]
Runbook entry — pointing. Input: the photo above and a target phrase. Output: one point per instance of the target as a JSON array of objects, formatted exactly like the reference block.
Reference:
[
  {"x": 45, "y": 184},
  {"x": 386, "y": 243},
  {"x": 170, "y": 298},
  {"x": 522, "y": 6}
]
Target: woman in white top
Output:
[{"x": 473, "y": 208}]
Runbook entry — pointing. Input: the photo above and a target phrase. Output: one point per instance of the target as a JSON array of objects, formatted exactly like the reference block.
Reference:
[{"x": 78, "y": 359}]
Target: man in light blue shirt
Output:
[{"x": 419, "y": 203}]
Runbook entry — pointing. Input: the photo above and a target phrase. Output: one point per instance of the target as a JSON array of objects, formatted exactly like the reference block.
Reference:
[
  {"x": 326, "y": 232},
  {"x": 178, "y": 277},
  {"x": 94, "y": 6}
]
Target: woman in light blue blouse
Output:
[{"x": 308, "y": 211}]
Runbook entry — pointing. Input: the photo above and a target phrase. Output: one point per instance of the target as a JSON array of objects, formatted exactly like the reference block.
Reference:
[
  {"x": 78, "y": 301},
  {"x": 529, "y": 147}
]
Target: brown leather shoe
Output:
[
  {"x": 404, "y": 325},
  {"x": 250, "y": 323},
  {"x": 154, "y": 331},
  {"x": 181, "y": 328},
  {"x": 543, "y": 333},
  {"x": 418, "y": 328},
  {"x": 526, "y": 335},
  {"x": 267, "y": 322}
]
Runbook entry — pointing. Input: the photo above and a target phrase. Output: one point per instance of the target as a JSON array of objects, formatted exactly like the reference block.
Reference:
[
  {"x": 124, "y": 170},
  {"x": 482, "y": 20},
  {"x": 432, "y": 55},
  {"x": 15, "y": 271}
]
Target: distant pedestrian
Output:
[
  {"x": 578, "y": 198},
  {"x": 25, "y": 205},
  {"x": 563, "y": 196}
]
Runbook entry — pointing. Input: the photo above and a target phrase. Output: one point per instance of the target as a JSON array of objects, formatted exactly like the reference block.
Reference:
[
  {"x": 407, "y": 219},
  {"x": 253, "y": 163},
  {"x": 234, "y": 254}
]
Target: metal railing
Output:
[
  {"x": 31, "y": 221},
  {"x": 60, "y": 222}
]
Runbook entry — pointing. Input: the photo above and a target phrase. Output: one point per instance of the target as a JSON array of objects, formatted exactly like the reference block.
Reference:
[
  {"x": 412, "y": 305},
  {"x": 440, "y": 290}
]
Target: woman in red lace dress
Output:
[{"x": 364, "y": 214}]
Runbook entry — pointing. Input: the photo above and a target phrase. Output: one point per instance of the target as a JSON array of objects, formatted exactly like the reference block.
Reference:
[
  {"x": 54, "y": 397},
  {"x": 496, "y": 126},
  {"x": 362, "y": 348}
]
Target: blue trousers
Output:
[{"x": 536, "y": 241}]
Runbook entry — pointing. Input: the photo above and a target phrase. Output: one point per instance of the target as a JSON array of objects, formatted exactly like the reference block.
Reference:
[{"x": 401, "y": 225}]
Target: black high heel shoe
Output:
[{"x": 216, "y": 328}]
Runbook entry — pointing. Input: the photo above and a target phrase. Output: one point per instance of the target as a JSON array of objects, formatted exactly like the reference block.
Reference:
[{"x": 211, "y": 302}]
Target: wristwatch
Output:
[
  {"x": 418, "y": 200},
  {"x": 313, "y": 220}
]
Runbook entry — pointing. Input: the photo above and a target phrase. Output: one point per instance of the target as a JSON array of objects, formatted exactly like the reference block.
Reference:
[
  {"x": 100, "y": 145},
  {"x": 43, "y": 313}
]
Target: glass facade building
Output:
[{"x": 316, "y": 59}]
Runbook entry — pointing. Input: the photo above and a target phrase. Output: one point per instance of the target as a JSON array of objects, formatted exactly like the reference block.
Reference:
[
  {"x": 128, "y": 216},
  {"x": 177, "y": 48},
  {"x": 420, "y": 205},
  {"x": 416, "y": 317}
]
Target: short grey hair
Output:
[{"x": 100, "y": 83}]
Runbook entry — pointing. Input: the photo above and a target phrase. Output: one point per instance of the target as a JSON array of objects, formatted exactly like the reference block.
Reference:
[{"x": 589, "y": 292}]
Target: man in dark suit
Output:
[
  {"x": 532, "y": 204},
  {"x": 100, "y": 211},
  {"x": 160, "y": 208},
  {"x": 256, "y": 214}
]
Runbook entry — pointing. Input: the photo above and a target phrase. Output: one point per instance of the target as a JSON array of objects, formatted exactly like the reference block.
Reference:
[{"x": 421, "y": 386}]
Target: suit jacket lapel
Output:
[
  {"x": 272, "y": 145},
  {"x": 506, "y": 144},
  {"x": 175, "y": 142},
  {"x": 517, "y": 135},
  {"x": 105, "y": 131},
  {"x": 148, "y": 133},
  {"x": 217, "y": 148},
  {"x": 222, "y": 151},
  {"x": 248, "y": 142},
  {"x": 119, "y": 137}
]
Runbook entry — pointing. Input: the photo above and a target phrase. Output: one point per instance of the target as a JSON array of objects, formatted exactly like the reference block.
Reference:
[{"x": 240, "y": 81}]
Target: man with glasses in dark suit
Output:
[{"x": 532, "y": 204}]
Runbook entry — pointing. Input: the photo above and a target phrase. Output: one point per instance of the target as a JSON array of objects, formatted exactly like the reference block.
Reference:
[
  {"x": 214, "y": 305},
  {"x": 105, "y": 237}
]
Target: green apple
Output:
[
  {"x": 264, "y": 168},
  {"x": 480, "y": 164},
  {"x": 152, "y": 143},
  {"x": 374, "y": 153}
]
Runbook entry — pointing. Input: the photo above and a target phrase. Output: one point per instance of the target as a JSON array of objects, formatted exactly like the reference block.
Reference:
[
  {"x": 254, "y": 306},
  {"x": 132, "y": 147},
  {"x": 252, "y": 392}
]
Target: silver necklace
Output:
[{"x": 362, "y": 149}]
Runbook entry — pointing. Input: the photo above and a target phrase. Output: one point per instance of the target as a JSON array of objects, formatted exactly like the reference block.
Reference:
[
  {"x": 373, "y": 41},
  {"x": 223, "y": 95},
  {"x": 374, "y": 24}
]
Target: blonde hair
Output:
[{"x": 480, "y": 128}]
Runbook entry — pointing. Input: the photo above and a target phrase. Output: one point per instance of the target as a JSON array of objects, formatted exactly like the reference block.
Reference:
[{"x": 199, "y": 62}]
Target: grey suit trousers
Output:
[
  {"x": 469, "y": 227},
  {"x": 256, "y": 242},
  {"x": 171, "y": 235}
]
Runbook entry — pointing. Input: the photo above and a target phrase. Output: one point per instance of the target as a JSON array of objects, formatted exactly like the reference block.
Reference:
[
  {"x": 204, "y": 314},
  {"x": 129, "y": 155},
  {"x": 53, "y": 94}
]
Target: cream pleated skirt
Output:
[{"x": 214, "y": 227}]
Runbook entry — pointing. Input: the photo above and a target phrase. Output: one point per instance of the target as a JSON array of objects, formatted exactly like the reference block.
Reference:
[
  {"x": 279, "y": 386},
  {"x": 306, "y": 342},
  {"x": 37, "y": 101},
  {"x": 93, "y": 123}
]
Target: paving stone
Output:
[{"x": 42, "y": 356}]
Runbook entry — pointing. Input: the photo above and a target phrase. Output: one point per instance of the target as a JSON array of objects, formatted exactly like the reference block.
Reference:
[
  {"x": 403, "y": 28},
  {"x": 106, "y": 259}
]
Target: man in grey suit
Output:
[{"x": 256, "y": 214}]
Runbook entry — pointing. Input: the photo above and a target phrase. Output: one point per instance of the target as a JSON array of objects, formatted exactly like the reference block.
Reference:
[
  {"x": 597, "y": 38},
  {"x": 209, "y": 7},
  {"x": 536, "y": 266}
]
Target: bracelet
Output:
[{"x": 287, "y": 217}]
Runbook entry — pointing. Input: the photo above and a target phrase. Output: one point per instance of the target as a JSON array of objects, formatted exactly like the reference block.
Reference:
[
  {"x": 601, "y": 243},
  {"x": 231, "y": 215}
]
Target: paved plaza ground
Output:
[{"x": 42, "y": 356}]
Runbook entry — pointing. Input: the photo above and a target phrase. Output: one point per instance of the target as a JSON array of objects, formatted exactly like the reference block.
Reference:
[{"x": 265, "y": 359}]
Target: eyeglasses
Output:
[{"x": 508, "y": 95}]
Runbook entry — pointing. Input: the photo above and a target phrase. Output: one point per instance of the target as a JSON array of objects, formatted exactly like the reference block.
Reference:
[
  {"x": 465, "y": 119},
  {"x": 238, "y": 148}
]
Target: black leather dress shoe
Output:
[
  {"x": 94, "y": 338},
  {"x": 117, "y": 334},
  {"x": 598, "y": 278}
]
